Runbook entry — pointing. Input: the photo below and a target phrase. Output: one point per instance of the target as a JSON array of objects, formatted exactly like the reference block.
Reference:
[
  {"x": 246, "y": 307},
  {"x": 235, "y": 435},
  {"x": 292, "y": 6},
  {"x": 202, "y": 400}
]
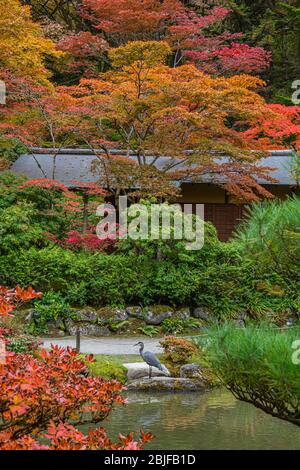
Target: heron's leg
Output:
[{"x": 150, "y": 372}]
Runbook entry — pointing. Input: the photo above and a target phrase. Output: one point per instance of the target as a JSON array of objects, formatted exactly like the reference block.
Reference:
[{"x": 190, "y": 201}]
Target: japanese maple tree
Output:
[
  {"x": 23, "y": 46},
  {"x": 36, "y": 114},
  {"x": 85, "y": 53},
  {"x": 215, "y": 53},
  {"x": 130, "y": 19},
  {"x": 156, "y": 111},
  {"x": 194, "y": 34},
  {"x": 278, "y": 129}
]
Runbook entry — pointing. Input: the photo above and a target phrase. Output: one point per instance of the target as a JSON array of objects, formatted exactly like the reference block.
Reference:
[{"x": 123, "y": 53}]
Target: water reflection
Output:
[{"x": 212, "y": 420}]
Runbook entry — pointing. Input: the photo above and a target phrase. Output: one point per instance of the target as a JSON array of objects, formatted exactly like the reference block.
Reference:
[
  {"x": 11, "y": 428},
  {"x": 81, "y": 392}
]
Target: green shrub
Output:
[
  {"x": 40, "y": 208},
  {"x": 162, "y": 243},
  {"x": 256, "y": 364},
  {"x": 51, "y": 308},
  {"x": 271, "y": 236},
  {"x": 173, "y": 326},
  {"x": 18, "y": 231},
  {"x": 22, "y": 344},
  {"x": 225, "y": 285},
  {"x": 149, "y": 330}
]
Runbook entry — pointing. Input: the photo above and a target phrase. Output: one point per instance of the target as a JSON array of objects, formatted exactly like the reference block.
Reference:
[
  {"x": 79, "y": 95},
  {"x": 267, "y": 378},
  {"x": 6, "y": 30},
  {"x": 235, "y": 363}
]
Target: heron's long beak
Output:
[{"x": 136, "y": 344}]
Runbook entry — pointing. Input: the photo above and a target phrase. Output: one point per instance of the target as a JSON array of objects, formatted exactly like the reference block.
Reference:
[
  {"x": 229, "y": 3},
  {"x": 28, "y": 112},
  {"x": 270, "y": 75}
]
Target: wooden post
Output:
[
  {"x": 85, "y": 212},
  {"x": 78, "y": 340}
]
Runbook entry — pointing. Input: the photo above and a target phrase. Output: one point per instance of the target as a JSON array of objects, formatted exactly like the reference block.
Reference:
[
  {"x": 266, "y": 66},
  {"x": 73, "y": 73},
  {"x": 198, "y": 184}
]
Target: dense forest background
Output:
[
  {"x": 193, "y": 80},
  {"x": 271, "y": 24}
]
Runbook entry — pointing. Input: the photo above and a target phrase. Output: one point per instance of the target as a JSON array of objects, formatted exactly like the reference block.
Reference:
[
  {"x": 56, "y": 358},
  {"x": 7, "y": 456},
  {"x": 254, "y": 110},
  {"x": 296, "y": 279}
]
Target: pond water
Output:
[{"x": 214, "y": 420}]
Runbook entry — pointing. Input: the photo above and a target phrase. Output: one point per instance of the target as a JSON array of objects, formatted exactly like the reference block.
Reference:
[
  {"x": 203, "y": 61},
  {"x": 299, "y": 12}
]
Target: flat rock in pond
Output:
[
  {"x": 166, "y": 384},
  {"x": 138, "y": 370}
]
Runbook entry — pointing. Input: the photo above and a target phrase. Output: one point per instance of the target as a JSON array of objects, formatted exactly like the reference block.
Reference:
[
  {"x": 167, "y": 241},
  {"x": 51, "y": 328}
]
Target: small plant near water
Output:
[{"x": 177, "y": 352}]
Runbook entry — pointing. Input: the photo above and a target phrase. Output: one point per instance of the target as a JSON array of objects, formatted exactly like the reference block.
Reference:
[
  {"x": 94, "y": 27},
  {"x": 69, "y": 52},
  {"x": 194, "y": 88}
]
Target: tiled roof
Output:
[{"x": 71, "y": 164}]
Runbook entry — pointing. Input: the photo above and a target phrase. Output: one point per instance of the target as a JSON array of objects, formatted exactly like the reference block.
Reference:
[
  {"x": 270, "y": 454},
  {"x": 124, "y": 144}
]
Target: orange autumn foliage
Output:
[
  {"x": 157, "y": 111},
  {"x": 42, "y": 395},
  {"x": 10, "y": 299},
  {"x": 130, "y": 16}
]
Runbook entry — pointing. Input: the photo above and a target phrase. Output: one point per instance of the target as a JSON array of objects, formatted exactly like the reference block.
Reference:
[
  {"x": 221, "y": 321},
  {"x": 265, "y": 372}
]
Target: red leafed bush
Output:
[
  {"x": 236, "y": 58},
  {"x": 44, "y": 183},
  {"x": 83, "y": 48},
  {"x": 10, "y": 299},
  {"x": 129, "y": 16},
  {"x": 215, "y": 54},
  {"x": 88, "y": 240},
  {"x": 48, "y": 395}
]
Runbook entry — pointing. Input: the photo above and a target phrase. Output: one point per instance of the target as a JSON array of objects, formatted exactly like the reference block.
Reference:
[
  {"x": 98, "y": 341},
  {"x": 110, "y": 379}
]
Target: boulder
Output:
[
  {"x": 242, "y": 315},
  {"x": 292, "y": 320},
  {"x": 239, "y": 319},
  {"x": 239, "y": 323},
  {"x": 157, "y": 314},
  {"x": 61, "y": 333},
  {"x": 120, "y": 315},
  {"x": 191, "y": 371},
  {"x": 86, "y": 329},
  {"x": 166, "y": 384},
  {"x": 199, "y": 374},
  {"x": 87, "y": 315},
  {"x": 29, "y": 315},
  {"x": 32, "y": 315},
  {"x": 135, "y": 312},
  {"x": 202, "y": 314},
  {"x": 107, "y": 315},
  {"x": 54, "y": 330},
  {"x": 138, "y": 370},
  {"x": 183, "y": 313}
]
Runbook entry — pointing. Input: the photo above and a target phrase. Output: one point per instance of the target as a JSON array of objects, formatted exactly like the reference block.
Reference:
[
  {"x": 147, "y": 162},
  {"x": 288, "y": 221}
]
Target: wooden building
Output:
[{"x": 220, "y": 208}]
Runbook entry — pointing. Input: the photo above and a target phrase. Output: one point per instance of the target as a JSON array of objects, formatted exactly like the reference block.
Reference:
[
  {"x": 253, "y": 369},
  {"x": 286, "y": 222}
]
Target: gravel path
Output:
[{"x": 105, "y": 345}]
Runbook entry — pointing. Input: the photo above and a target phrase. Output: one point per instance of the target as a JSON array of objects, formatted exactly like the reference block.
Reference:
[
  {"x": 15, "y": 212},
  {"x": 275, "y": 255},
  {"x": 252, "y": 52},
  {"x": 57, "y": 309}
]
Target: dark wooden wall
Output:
[{"x": 225, "y": 218}]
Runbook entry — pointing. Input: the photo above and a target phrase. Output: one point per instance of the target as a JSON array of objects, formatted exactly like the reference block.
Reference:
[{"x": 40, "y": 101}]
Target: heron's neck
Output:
[{"x": 141, "y": 349}]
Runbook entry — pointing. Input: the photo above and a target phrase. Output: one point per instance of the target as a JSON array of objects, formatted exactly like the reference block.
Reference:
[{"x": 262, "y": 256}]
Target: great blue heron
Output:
[{"x": 151, "y": 360}]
